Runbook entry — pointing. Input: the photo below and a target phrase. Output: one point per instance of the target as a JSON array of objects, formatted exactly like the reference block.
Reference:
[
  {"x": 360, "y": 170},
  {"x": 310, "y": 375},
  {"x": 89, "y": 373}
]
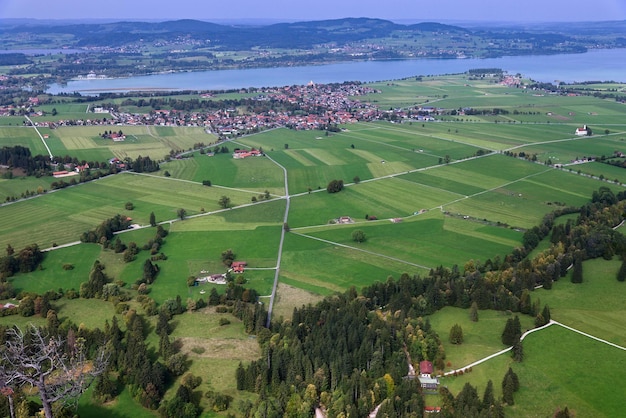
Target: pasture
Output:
[{"x": 60, "y": 217}]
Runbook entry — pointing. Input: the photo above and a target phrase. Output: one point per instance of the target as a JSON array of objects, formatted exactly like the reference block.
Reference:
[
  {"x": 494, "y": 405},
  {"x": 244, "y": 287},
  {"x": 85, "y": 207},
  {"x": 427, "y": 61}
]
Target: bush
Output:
[
  {"x": 224, "y": 321},
  {"x": 68, "y": 266}
]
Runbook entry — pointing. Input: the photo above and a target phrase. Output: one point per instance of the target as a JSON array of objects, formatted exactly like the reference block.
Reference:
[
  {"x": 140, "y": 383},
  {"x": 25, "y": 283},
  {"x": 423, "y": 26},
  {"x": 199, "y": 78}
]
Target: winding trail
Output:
[{"x": 552, "y": 322}]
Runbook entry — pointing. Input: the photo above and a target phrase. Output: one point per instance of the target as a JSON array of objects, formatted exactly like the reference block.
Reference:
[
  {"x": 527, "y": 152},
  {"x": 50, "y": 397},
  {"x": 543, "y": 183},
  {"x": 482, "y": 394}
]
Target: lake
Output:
[{"x": 596, "y": 65}]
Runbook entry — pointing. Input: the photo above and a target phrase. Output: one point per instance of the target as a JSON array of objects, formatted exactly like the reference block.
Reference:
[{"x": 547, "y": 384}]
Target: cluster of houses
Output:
[
  {"x": 220, "y": 278},
  {"x": 77, "y": 169}
]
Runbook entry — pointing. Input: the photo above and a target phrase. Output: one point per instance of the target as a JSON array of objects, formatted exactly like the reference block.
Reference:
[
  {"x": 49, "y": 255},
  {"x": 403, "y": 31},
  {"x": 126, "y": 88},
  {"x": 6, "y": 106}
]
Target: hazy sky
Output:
[{"x": 290, "y": 10}]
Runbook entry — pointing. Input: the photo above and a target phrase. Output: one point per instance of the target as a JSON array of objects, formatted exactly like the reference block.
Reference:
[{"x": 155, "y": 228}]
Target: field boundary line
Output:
[
  {"x": 193, "y": 182},
  {"x": 589, "y": 335},
  {"x": 525, "y": 334},
  {"x": 280, "y": 244},
  {"x": 493, "y": 188},
  {"x": 45, "y": 144},
  {"x": 489, "y": 357},
  {"x": 362, "y": 250}
]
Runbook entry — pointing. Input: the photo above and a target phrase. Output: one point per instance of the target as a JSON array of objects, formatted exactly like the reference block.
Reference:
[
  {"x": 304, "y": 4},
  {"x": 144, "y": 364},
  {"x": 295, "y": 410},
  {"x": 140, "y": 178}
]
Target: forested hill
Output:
[
  {"x": 115, "y": 49},
  {"x": 281, "y": 35},
  {"x": 299, "y": 34}
]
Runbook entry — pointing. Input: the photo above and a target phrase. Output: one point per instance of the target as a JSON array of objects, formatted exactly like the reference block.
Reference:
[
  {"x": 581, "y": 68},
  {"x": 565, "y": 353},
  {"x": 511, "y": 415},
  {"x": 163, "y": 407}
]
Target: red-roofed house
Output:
[
  {"x": 425, "y": 377},
  {"x": 238, "y": 266}
]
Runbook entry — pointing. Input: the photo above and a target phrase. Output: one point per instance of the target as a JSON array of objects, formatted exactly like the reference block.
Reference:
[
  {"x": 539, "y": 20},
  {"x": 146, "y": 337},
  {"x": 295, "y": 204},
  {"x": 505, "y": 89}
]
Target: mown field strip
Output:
[{"x": 297, "y": 155}]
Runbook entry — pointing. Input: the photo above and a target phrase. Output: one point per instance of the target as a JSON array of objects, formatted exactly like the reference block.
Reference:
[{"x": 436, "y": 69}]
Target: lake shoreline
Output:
[{"x": 594, "y": 65}]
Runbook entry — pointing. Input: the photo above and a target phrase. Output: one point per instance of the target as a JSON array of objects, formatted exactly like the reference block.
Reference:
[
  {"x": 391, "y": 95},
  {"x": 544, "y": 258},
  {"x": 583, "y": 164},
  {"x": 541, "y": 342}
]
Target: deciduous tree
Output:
[
  {"x": 224, "y": 202},
  {"x": 359, "y": 236},
  {"x": 36, "y": 359}
]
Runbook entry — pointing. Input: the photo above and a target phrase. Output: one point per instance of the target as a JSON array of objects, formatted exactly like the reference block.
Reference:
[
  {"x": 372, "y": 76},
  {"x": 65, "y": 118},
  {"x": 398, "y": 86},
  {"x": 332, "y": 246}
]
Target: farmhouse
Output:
[
  {"x": 63, "y": 173},
  {"x": 219, "y": 278},
  {"x": 425, "y": 377},
  {"x": 242, "y": 153},
  {"x": 238, "y": 266},
  {"x": 345, "y": 220},
  {"x": 584, "y": 131}
]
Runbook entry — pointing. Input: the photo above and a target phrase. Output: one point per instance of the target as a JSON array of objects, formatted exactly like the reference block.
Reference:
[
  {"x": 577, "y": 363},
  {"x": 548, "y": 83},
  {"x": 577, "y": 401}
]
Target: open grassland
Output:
[
  {"x": 480, "y": 339},
  {"x": 256, "y": 174},
  {"x": 85, "y": 142},
  {"x": 17, "y": 186},
  {"x": 605, "y": 171},
  {"x": 428, "y": 240},
  {"x": 557, "y": 366},
  {"x": 390, "y": 198},
  {"x": 215, "y": 350},
  {"x": 595, "y": 306},
  {"x": 61, "y": 217},
  {"x": 521, "y": 203},
  {"x": 555, "y": 373},
  {"x": 191, "y": 252},
  {"x": 54, "y": 276},
  {"x": 25, "y": 136},
  {"x": 569, "y": 151},
  {"x": 555, "y": 359}
]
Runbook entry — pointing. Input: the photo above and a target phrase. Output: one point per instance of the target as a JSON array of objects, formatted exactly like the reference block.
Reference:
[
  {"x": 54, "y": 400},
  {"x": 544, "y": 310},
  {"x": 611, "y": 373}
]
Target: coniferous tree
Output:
[
  {"x": 514, "y": 379},
  {"x": 473, "y": 313},
  {"x": 456, "y": 334},
  {"x": 488, "y": 397},
  {"x": 562, "y": 413},
  {"x": 512, "y": 331},
  {"x": 577, "y": 270},
  {"x": 621, "y": 274},
  {"x": 518, "y": 352},
  {"x": 467, "y": 401},
  {"x": 546, "y": 314},
  {"x": 152, "y": 219},
  {"x": 508, "y": 390}
]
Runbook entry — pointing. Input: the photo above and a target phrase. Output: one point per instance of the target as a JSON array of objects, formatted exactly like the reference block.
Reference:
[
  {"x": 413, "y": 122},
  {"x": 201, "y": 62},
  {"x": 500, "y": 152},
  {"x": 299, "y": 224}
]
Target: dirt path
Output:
[{"x": 552, "y": 322}]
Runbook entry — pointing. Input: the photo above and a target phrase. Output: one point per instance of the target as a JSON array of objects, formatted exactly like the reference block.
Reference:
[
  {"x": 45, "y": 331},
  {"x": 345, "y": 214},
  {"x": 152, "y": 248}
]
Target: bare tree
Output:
[{"x": 46, "y": 362}]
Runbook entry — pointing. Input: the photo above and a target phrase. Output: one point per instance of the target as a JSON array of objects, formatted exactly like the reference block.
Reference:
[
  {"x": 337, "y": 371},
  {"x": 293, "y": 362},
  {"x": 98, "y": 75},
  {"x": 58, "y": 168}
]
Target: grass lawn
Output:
[
  {"x": 595, "y": 306},
  {"x": 52, "y": 276},
  {"x": 480, "y": 339},
  {"x": 555, "y": 373}
]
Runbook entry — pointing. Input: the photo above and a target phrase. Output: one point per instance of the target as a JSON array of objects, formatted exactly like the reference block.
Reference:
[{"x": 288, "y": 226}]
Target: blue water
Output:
[{"x": 596, "y": 65}]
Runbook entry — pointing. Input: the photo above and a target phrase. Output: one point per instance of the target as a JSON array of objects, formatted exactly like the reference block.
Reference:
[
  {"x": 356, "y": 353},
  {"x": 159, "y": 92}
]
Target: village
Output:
[{"x": 311, "y": 106}]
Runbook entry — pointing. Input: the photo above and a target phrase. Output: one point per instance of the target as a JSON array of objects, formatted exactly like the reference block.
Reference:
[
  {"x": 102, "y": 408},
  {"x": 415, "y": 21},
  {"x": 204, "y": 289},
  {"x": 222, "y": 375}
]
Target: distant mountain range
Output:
[
  {"x": 120, "y": 49},
  {"x": 231, "y": 37}
]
